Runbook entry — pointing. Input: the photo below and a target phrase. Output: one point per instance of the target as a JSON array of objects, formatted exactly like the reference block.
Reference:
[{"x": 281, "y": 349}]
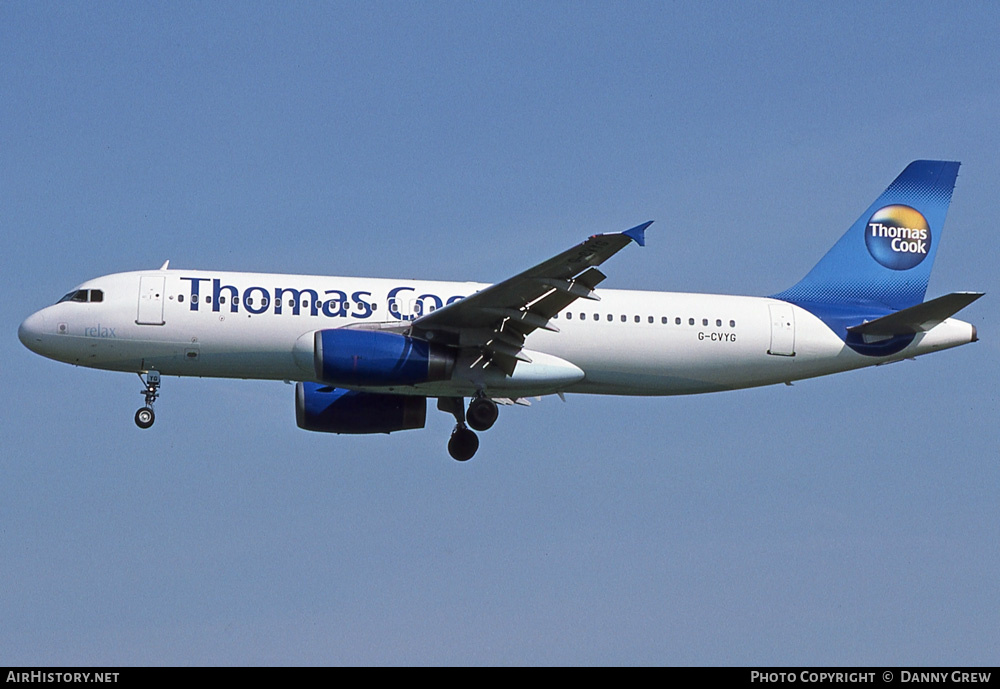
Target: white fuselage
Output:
[{"x": 185, "y": 323}]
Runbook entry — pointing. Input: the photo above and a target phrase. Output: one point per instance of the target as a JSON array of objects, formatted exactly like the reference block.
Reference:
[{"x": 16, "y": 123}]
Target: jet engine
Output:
[
  {"x": 369, "y": 357},
  {"x": 334, "y": 410}
]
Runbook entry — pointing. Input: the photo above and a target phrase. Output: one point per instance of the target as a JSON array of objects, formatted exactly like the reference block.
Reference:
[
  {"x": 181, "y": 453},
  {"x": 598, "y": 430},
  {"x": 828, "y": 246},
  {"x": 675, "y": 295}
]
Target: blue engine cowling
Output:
[
  {"x": 334, "y": 410},
  {"x": 370, "y": 357}
]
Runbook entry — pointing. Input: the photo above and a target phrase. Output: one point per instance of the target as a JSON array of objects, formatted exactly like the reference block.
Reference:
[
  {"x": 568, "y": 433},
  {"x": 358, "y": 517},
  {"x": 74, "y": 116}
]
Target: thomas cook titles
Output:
[{"x": 898, "y": 237}]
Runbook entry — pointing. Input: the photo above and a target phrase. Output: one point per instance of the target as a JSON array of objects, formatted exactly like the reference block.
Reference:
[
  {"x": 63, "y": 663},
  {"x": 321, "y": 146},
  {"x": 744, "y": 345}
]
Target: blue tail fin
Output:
[{"x": 883, "y": 262}]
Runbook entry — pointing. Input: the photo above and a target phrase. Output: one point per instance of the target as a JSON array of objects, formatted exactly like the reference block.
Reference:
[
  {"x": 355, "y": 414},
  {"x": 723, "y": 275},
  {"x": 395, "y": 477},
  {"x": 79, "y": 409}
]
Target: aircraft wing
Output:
[{"x": 497, "y": 319}]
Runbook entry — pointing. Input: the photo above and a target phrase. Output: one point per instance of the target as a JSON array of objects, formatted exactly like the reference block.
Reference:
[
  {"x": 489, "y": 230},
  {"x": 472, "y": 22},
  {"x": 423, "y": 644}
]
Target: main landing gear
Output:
[
  {"x": 482, "y": 413},
  {"x": 145, "y": 417},
  {"x": 481, "y": 416},
  {"x": 463, "y": 443}
]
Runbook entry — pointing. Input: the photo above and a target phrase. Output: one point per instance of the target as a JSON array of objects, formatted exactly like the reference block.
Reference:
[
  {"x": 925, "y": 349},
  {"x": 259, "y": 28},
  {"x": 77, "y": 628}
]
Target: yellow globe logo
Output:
[{"x": 898, "y": 237}]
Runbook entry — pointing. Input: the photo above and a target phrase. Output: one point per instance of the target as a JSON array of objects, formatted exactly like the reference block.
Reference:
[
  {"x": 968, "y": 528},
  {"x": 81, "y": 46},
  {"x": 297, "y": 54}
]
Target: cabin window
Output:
[
  {"x": 610, "y": 318},
  {"x": 597, "y": 317},
  {"x": 624, "y": 318},
  {"x": 690, "y": 321},
  {"x": 236, "y": 301},
  {"x": 208, "y": 299},
  {"x": 194, "y": 298},
  {"x": 718, "y": 322},
  {"x": 180, "y": 297},
  {"x": 222, "y": 300},
  {"x": 569, "y": 315},
  {"x": 704, "y": 322},
  {"x": 638, "y": 320},
  {"x": 732, "y": 324},
  {"x": 664, "y": 320},
  {"x": 650, "y": 319}
]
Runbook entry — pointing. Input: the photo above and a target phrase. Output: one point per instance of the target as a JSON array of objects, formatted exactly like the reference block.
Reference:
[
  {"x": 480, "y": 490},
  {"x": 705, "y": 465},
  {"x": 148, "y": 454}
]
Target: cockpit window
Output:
[
  {"x": 78, "y": 295},
  {"x": 83, "y": 295}
]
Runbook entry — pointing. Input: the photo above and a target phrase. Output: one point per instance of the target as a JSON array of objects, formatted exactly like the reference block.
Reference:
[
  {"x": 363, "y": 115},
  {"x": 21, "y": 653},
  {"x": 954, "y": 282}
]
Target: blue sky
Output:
[{"x": 844, "y": 520}]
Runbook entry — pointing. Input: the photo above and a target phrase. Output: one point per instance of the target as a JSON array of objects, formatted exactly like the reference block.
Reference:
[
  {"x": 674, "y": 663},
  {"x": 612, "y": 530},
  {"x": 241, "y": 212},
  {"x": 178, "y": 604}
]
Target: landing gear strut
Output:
[
  {"x": 144, "y": 417},
  {"x": 463, "y": 442}
]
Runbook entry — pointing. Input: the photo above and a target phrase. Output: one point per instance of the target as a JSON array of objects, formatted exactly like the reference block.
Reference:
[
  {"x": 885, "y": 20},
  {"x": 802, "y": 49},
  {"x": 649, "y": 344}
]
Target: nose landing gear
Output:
[{"x": 145, "y": 417}]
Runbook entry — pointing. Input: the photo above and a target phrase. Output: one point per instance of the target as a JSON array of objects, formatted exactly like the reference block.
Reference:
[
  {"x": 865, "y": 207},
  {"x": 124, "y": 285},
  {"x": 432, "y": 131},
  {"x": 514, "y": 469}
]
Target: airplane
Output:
[{"x": 366, "y": 354}]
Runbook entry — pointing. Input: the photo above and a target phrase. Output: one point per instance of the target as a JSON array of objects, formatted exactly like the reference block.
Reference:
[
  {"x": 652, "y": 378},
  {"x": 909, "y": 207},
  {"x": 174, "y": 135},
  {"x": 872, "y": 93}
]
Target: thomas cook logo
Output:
[{"x": 898, "y": 237}]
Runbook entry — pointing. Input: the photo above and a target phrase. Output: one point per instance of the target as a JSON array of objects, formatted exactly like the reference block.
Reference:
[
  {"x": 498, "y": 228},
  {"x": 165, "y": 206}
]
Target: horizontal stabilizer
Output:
[{"x": 917, "y": 318}]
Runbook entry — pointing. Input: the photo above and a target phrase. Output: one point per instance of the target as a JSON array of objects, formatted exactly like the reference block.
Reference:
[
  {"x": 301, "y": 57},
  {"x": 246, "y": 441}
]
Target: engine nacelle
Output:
[
  {"x": 334, "y": 410},
  {"x": 370, "y": 357}
]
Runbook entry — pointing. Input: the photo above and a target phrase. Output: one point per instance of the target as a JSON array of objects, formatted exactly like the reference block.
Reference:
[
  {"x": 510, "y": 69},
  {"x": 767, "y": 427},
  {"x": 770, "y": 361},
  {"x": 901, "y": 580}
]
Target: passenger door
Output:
[
  {"x": 782, "y": 330},
  {"x": 150, "y": 300}
]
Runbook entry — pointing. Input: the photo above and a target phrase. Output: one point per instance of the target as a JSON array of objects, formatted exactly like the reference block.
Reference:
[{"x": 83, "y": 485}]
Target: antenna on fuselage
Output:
[{"x": 166, "y": 264}]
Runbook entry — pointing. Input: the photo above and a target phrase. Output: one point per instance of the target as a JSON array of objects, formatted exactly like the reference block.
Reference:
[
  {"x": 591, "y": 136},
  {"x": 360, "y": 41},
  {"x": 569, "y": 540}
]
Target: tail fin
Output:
[{"x": 884, "y": 260}]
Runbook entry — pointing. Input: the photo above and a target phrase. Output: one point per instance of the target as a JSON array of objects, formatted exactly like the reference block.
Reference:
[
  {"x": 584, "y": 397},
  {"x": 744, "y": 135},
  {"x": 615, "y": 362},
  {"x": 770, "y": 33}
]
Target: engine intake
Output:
[{"x": 334, "y": 410}]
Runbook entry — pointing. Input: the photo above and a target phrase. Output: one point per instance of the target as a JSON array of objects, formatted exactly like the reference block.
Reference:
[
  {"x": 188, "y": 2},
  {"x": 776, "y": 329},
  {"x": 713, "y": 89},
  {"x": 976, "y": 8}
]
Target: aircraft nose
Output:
[{"x": 31, "y": 331}]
